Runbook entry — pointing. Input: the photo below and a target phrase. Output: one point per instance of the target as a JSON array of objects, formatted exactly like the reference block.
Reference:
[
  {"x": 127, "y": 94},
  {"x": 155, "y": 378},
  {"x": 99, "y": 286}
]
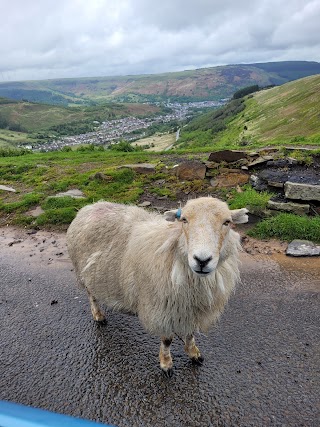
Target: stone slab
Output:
[
  {"x": 296, "y": 208},
  {"x": 190, "y": 170},
  {"x": 298, "y": 191},
  {"x": 75, "y": 194},
  {"x": 227, "y": 156}
]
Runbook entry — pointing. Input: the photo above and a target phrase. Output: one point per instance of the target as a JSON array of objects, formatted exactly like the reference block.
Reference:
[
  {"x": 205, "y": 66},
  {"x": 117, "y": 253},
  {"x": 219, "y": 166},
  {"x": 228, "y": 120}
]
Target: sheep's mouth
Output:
[{"x": 202, "y": 273}]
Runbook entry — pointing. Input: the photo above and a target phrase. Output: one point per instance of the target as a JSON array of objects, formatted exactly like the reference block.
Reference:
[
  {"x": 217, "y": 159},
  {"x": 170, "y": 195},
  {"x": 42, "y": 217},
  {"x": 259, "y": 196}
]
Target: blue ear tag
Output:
[{"x": 178, "y": 214}]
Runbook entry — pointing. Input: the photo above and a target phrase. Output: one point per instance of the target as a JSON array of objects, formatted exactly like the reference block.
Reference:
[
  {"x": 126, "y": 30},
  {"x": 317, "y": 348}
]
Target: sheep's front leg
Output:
[
  {"x": 166, "y": 363},
  {"x": 192, "y": 350},
  {"x": 95, "y": 309}
]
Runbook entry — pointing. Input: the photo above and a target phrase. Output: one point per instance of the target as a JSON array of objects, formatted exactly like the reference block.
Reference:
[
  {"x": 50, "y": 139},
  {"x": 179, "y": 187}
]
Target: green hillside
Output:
[
  {"x": 23, "y": 122},
  {"x": 195, "y": 85},
  {"x": 288, "y": 114}
]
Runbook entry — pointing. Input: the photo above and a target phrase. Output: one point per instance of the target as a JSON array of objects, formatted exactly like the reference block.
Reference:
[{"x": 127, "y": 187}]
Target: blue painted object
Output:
[
  {"x": 178, "y": 214},
  {"x": 16, "y": 415}
]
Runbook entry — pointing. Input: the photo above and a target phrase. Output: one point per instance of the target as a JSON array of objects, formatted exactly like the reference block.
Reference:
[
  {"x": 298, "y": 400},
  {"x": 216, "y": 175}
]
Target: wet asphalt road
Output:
[{"x": 262, "y": 365}]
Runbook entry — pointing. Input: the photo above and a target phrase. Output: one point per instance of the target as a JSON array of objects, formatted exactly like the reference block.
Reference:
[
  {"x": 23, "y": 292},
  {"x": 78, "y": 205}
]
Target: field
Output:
[{"x": 157, "y": 142}]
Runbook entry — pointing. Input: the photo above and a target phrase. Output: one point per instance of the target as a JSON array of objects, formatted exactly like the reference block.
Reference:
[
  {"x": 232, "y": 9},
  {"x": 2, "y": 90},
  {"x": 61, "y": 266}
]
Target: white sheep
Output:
[{"x": 176, "y": 276}]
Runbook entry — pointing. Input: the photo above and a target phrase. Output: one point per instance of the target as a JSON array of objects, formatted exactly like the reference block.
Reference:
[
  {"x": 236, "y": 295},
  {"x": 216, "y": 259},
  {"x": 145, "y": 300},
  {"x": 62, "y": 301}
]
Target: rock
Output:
[
  {"x": 227, "y": 156},
  {"x": 292, "y": 161},
  {"x": 229, "y": 170},
  {"x": 143, "y": 168},
  {"x": 14, "y": 242},
  {"x": 190, "y": 170},
  {"x": 302, "y": 248},
  {"x": 212, "y": 165},
  {"x": 277, "y": 163},
  {"x": 297, "y": 191},
  {"x": 5, "y": 188},
  {"x": 229, "y": 180},
  {"x": 99, "y": 176},
  {"x": 144, "y": 204},
  {"x": 35, "y": 212},
  {"x": 75, "y": 194},
  {"x": 211, "y": 173},
  {"x": 253, "y": 154},
  {"x": 257, "y": 183},
  {"x": 259, "y": 161},
  {"x": 159, "y": 182},
  {"x": 275, "y": 184},
  {"x": 296, "y": 208}
]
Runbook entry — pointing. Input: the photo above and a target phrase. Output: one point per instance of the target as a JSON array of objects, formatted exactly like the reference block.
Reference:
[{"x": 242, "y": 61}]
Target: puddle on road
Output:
[{"x": 304, "y": 271}]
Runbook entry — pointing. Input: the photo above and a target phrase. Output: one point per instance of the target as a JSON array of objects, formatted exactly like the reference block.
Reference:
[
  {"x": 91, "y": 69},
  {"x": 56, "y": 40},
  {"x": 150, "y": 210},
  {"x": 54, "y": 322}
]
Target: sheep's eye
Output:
[
  {"x": 184, "y": 220},
  {"x": 227, "y": 222}
]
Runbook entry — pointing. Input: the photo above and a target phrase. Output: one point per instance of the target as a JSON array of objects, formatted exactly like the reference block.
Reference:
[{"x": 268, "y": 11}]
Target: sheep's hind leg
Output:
[
  {"x": 165, "y": 358},
  {"x": 192, "y": 350},
  {"x": 95, "y": 309}
]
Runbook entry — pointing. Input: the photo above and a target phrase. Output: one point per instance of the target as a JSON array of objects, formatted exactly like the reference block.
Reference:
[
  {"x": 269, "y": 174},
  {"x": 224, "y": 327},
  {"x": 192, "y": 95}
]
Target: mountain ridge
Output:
[{"x": 212, "y": 83}]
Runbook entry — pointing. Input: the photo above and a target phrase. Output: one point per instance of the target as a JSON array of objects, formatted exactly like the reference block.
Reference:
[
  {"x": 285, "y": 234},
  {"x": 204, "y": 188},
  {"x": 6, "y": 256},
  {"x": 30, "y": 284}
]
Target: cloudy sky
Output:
[{"x": 42, "y": 39}]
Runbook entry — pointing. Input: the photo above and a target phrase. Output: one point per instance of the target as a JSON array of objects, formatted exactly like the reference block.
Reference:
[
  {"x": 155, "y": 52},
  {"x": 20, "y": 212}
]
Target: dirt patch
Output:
[
  {"x": 38, "y": 246},
  {"x": 263, "y": 247}
]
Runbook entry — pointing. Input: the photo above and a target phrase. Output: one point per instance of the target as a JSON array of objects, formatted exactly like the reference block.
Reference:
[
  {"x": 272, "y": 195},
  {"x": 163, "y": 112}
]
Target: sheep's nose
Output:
[{"x": 202, "y": 262}]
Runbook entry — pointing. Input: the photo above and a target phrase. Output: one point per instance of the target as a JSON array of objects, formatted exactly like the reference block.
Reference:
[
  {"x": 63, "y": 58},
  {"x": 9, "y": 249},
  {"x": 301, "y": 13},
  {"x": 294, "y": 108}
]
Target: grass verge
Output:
[{"x": 288, "y": 227}]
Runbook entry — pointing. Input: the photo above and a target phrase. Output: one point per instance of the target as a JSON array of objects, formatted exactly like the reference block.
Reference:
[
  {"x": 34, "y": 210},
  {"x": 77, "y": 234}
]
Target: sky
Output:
[{"x": 41, "y": 39}]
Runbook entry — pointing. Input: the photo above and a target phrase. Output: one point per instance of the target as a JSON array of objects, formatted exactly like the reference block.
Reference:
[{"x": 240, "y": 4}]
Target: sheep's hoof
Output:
[
  {"x": 167, "y": 373},
  {"x": 198, "y": 361}
]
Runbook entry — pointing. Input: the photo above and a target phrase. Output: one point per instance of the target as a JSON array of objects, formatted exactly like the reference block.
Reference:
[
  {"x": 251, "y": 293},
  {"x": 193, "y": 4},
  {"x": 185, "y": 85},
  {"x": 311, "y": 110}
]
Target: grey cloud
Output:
[{"x": 47, "y": 39}]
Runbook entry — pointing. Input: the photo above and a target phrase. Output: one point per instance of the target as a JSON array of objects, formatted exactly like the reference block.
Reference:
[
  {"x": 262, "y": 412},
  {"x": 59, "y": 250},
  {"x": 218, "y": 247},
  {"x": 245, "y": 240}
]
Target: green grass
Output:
[
  {"x": 57, "y": 216},
  {"x": 283, "y": 115},
  {"x": 288, "y": 227},
  {"x": 45, "y": 174},
  {"x": 250, "y": 198},
  {"x": 22, "y": 205}
]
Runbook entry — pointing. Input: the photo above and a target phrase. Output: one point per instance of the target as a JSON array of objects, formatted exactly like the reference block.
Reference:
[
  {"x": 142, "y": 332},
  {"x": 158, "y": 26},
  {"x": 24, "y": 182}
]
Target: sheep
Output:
[{"x": 176, "y": 272}]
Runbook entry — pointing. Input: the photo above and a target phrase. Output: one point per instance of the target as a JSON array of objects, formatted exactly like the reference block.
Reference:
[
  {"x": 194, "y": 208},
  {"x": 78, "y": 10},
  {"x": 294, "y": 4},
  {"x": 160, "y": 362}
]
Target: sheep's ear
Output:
[
  {"x": 171, "y": 215},
  {"x": 239, "y": 216}
]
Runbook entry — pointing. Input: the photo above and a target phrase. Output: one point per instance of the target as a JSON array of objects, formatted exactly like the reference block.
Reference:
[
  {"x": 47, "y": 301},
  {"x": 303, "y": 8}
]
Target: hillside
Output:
[
  {"x": 195, "y": 85},
  {"x": 22, "y": 121},
  {"x": 280, "y": 115}
]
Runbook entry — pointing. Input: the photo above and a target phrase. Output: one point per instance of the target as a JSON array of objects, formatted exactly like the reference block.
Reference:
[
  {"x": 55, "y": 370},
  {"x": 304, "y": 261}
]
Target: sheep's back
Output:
[{"x": 96, "y": 241}]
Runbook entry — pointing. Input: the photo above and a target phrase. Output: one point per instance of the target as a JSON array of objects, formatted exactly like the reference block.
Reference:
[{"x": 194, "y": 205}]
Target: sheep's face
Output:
[{"x": 206, "y": 224}]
